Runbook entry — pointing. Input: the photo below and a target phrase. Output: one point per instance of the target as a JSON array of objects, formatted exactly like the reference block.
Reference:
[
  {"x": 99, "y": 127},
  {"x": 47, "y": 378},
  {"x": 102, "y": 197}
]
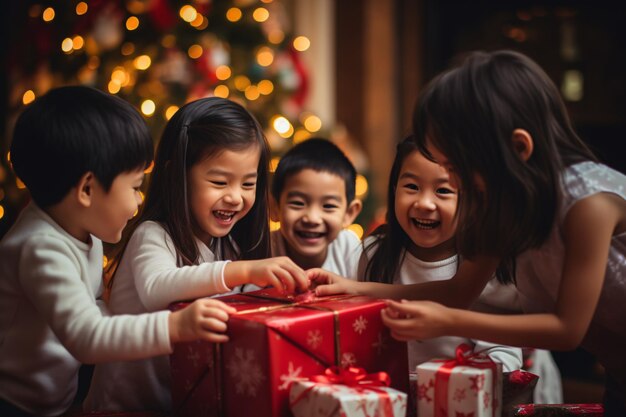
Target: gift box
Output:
[
  {"x": 559, "y": 410},
  {"x": 467, "y": 385},
  {"x": 517, "y": 388},
  {"x": 275, "y": 340},
  {"x": 347, "y": 392}
]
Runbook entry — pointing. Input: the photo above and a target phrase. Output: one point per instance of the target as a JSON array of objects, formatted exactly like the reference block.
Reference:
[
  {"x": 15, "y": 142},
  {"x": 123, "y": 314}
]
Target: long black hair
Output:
[
  {"x": 469, "y": 113},
  {"x": 198, "y": 130}
]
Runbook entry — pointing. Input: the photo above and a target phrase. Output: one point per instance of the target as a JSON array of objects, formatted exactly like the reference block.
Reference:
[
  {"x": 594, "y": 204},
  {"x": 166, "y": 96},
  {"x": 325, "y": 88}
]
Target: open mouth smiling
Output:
[
  {"x": 425, "y": 224},
  {"x": 309, "y": 235},
  {"x": 224, "y": 215}
]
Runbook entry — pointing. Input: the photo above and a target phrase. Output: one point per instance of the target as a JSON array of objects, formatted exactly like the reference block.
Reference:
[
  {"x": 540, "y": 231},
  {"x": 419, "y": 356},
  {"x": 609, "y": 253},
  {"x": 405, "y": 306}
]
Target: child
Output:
[
  {"x": 313, "y": 199},
  {"x": 417, "y": 245},
  {"x": 206, "y": 205},
  {"x": 539, "y": 208},
  {"x": 81, "y": 154}
]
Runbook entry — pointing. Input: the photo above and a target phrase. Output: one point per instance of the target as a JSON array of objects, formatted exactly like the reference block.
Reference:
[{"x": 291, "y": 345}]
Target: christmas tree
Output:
[{"x": 158, "y": 55}]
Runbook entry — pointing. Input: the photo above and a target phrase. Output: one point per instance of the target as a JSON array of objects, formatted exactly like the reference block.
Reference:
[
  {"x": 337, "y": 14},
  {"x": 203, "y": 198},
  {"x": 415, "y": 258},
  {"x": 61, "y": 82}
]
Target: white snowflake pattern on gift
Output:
[
  {"x": 245, "y": 371},
  {"x": 281, "y": 324},
  {"x": 360, "y": 325},
  {"x": 314, "y": 338},
  {"x": 292, "y": 375},
  {"x": 348, "y": 359}
]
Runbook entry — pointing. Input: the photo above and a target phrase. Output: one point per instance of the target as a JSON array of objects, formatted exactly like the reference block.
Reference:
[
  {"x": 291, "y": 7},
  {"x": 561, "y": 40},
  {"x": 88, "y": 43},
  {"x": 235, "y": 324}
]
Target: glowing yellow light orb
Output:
[
  {"x": 361, "y": 186},
  {"x": 274, "y": 163},
  {"x": 132, "y": 23},
  {"x": 265, "y": 56},
  {"x": 252, "y": 93},
  {"x": 67, "y": 45},
  {"x": 301, "y": 43},
  {"x": 313, "y": 123},
  {"x": 81, "y": 8},
  {"x": 265, "y": 87},
  {"x": 221, "y": 91},
  {"x": 170, "y": 111},
  {"x": 188, "y": 13},
  {"x": 28, "y": 97},
  {"x": 114, "y": 86},
  {"x": 48, "y": 14},
  {"x": 233, "y": 14},
  {"x": 195, "y": 51},
  {"x": 357, "y": 229},
  {"x": 148, "y": 107},
  {"x": 142, "y": 62},
  {"x": 260, "y": 14},
  {"x": 223, "y": 72},
  {"x": 241, "y": 82}
]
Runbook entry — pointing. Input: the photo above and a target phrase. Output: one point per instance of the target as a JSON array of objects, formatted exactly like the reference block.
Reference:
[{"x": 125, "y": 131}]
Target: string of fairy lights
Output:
[{"x": 160, "y": 54}]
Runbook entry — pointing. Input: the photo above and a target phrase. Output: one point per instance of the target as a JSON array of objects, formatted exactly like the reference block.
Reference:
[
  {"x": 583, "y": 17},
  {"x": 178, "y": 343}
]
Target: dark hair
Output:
[
  {"x": 198, "y": 130},
  {"x": 469, "y": 113},
  {"x": 320, "y": 155},
  {"x": 72, "y": 130},
  {"x": 391, "y": 241}
]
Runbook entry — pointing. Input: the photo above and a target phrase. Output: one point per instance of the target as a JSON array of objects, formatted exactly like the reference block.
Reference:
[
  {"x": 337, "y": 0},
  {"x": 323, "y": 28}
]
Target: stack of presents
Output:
[{"x": 304, "y": 356}]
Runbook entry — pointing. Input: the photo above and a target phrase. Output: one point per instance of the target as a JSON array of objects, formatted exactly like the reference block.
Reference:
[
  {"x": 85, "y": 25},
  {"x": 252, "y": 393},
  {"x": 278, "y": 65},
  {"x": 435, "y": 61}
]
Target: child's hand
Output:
[
  {"x": 279, "y": 272},
  {"x": 328, "y": 283},
  {"x": 415, "y": 320},
  {"x": 204, "y": 319}
]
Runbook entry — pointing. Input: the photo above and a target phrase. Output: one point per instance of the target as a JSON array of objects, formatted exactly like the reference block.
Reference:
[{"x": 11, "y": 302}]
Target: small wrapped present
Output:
[
  {"x": 349, "y": 392},
  {"x": 558, "y": 410},
  {"x": 517, "y": 388},
  {"x": 274, "y": 341},
  {"x": 468, "y": 385}
]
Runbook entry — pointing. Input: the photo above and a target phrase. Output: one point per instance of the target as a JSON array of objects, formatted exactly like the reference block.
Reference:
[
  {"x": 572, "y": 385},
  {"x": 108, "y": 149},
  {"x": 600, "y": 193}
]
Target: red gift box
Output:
[
  {"x": 557, "y": 410},
  {"x": 275, "y": 340}
]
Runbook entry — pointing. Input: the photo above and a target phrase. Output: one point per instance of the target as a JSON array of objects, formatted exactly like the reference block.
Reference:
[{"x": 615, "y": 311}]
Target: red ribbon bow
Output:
[
  {"x": 357, "y": 379},
  {"x": 463, "y": 357}
]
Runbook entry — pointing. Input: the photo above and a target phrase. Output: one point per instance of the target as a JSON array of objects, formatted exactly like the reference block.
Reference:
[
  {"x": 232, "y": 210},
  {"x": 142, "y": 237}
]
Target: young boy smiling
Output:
[{"x": 313, "y": 198}]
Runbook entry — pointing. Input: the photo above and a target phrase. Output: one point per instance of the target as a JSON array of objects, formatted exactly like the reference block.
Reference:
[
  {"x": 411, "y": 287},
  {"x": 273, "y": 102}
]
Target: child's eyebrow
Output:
[
  {"x": 227, "y": 173},
  {"x": 305, "y": 196},
  {"x": 440, "y": 180}
]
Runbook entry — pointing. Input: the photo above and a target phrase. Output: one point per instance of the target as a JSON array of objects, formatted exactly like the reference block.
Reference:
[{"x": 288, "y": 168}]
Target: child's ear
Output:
[
  {"x": 84, "y": 189},
  {"x": 523, "y": 143},
  {"x": 353, "y": 210},
  {"x": 274, "y": 210}
]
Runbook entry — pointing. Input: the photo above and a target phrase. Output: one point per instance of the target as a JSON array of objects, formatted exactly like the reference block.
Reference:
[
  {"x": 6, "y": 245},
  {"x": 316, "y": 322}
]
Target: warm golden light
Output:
[
  {"x": 169, "y": 112},
  {"x": 28, "y": 97},
  {"x": 274, "y": 226},
  {"x": 105, "y": 261},
  {"x": 265, "y": 56},
  {"x": 241, "y": 82},
  {"x": 233, "y": 14},
  {"x": 1, "y": 212},
  {"x": 195, "y": 51},
  {"x": 357, "y": 229},
  {"x": 203, "y": 24},
  {"x": 148, "y": 171},
  {"x": 67, "y": 45},
  {"x": 132, "y": 23},
  {"x": 78, "y": 42},
  {"x": 188, "y": 13},
  {"x": 313, "y": 123},
  {"x": 48, "y": 14},
  {"x": 301, "y": 135},
  {"x": 266, "y": 87},
  {"x": 114, "y": 86},
  {"x": 93, "y": 63},
  {"x": 282, "y": 126},
  {"x": 276, "y": 36},
  {"x": 197, "y": 22},
  {"x": 361, "y": 186},
  {"x": 252, "y": 93},
  {"x": 221, "y": 91},
  {"x": 119, "y": 75},
  {"x": 301, "y": 43},
  {"x": 274, "y": 163},
  {"x": 19, "y": 184},
  {"x": 148, "y": 107},
  {"x": 142, "y": 62},
  {"x": 260, "y": 14},
  {"x": 223, "y": 72},
  {"x": 81, "y": 8}
]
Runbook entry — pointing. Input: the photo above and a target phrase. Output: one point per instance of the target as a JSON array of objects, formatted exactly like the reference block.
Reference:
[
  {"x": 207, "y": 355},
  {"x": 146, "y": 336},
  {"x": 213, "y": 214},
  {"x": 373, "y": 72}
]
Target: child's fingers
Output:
[
  {"x": 216, "y": 313},
  {"x": 221, "y": 305},
  {"x": 213, "y": 324},
  {"x": 328, "y": 289},
  {"x": 317, "y": 275},
  {"x": 214, "y": 337}
]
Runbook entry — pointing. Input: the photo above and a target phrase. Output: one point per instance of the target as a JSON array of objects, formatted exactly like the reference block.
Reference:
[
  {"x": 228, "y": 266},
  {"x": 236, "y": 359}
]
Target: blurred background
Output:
[{"x": 347, "y": 70}]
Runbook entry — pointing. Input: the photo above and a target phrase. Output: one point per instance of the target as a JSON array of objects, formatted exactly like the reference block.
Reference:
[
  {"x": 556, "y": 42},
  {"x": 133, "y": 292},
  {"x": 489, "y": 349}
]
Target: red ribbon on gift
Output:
[
  {"x": 357, "y": 379},
  {"x": 464, "y": 357}
]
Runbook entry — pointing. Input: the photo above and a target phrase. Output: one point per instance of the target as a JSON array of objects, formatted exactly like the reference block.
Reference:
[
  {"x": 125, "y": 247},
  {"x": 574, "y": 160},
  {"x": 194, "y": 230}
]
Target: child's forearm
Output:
[{"x": 544, "y": 331}]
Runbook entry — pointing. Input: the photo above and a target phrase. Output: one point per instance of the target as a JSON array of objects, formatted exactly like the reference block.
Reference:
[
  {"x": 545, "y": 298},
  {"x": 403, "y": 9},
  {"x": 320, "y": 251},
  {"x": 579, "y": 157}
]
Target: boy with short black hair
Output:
[
  {"x": 82, "y": 154},
  {"x": 313, "y": 198}
]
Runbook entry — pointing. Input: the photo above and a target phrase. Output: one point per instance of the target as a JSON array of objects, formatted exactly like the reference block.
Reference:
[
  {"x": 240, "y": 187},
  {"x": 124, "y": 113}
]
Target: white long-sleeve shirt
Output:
[
  {"x": 414, "y": 271},
  {"x": 148, "y": 279},
  {"x": 51, "y": 321}
]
